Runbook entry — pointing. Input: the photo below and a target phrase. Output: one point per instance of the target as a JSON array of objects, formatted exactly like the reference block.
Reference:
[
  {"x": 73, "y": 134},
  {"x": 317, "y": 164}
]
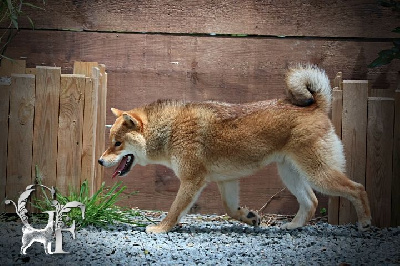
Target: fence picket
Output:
[
  {"x": 89, "y": 132},
  {"x": 70, "y": 132},
  {"x": 379, "y": 159},
  {"x": 354, "y": 137},
  {"x": 46, "y": 123},
  {"x": 19, "y": 157},
  {"x": 101, "y": 122}
]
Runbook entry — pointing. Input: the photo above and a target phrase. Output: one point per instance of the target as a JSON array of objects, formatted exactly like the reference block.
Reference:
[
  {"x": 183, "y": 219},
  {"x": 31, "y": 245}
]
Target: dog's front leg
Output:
[{"x": 188, "y": 192}]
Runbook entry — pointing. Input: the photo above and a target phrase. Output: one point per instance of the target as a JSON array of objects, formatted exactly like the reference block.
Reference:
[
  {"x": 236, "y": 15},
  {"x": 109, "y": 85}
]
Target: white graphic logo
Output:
[{"x": 53, "y": 228}]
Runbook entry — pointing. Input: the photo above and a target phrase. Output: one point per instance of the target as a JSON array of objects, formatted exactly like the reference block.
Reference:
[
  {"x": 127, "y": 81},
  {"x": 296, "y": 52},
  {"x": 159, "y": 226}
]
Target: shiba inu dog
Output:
[{"x": 219, "y": 142}]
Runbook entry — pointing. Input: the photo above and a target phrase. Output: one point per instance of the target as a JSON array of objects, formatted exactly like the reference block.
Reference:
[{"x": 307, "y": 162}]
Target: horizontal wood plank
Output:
[{"x": 337, "y": 18}]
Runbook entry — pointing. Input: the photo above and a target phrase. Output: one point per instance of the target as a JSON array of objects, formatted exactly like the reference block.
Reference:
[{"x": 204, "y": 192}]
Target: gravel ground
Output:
[{"x": 211, "y": 240}]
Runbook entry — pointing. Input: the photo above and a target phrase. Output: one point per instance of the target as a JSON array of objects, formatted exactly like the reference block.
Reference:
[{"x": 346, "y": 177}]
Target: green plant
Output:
[
  {"x": 386, "y": 56},
  {"x": 10, "y": 13},
  {"x": 100, "y": 208},
  {"x": 322, "y": 211}
]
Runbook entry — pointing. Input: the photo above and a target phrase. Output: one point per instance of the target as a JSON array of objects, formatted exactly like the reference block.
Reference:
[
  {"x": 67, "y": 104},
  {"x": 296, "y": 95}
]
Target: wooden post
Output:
[
  {"x": 89, "y": 132},
  {"x": 85, "y": 68},
  {"x": 354, "y": 134},
  {"x": 46, "y": 123},
  {"x": 4, "y": 105},
  {"x": 101, "y": 122},
  {"x": 19, "y": 160},
  {"x": 337, "y": 106},
  {"x": 70, "y": 132},
  {"x": 396, "y": 164},
  {"x": 379, "y": 159}
]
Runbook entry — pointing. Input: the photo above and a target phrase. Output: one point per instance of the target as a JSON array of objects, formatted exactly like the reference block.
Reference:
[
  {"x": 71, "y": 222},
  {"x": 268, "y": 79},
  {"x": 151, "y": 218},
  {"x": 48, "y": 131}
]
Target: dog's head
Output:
[{"x": 127, "y": 143}]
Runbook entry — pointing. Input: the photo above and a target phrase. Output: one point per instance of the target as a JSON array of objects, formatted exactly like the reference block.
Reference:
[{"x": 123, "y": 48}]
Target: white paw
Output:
[
  {"x": 156, "y": 229},
  {"x": 290, "y": 226}
]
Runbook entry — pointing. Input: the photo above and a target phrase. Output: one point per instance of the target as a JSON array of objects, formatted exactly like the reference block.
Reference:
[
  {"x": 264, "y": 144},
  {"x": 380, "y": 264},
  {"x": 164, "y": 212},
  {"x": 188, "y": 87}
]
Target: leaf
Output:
[
  {"x": 31, "y": 22},
  {"x": 385, "y": 57},
  {"x": 32, "y": 5},
  {"x": 396, "y": 30},
  {"x": 14, "y": 20}
]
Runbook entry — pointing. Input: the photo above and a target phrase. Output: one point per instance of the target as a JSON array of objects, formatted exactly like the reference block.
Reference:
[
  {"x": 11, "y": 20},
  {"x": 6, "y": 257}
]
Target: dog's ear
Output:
[
  {"x": 131, "y": 121},
  {"x": 116, "y": 112}
]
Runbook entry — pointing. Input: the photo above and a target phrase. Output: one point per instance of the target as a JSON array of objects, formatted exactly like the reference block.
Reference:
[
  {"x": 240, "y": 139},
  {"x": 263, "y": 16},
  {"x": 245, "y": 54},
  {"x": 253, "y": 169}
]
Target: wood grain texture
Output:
[
  {"x": 85, "y": 68},
  {"x": 337, "y": 107},
  {"x": 89, "y": 133},
  {"x": 19, "y": 157},
  {"x": 396, "y": 163},
  {"x": 4, "y": 108},
  {"x": 379, "y": 169},
  {"x": 101, "y": 122},
  {"x": 48, "y": 82},
  {"x": 144, "y": 68},
  {"x": 9, "y": 67},
  {"x": 354, "y": 134},
  {"x": 337, "y": 18},
  {"x": 89, "y": 166},
  {"x": 70, "y": 132}
]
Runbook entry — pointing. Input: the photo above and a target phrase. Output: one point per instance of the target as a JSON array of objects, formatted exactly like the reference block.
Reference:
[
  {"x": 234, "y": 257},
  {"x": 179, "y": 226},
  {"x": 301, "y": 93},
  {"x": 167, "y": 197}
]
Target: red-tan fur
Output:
[{"x": 219, "y": 142}]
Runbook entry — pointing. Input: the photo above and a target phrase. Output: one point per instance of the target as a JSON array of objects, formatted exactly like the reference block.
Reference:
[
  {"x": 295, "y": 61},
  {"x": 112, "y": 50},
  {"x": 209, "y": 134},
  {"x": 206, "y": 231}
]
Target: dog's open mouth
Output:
[{"x": 124, "y": 166}]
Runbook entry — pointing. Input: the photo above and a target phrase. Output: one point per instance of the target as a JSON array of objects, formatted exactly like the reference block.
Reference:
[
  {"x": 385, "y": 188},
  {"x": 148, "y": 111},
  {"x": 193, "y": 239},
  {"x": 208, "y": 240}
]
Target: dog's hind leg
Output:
[
  {"x": 302, "y": 191},
  {"x": 230, "y": 198},
  {"x": 322, "y": 166}
]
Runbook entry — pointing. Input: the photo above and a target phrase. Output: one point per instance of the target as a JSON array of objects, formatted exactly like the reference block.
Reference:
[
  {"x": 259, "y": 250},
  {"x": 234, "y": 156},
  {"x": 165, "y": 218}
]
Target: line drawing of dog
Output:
[
  {"x": 219, "y": 142},
  {"x": 44, "y": 236}
]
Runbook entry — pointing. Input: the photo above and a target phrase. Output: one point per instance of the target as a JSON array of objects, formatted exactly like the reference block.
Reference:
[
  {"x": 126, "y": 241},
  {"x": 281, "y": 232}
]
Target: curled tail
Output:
[{"x": 308, "y": 84}]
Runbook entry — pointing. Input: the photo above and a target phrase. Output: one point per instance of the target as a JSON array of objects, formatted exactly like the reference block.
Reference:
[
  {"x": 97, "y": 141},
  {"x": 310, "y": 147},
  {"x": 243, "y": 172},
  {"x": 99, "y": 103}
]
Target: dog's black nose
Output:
[{"x": 100, "y": 161}]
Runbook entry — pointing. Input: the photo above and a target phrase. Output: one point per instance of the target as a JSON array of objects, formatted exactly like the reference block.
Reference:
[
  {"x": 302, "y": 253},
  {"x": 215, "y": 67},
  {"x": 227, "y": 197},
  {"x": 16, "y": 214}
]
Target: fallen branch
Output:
[{"x": 273, "y": 196}]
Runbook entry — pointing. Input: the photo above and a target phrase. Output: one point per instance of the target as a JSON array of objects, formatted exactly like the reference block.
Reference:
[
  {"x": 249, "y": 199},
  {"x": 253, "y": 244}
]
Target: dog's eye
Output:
[{"x": 118, "y": 143}]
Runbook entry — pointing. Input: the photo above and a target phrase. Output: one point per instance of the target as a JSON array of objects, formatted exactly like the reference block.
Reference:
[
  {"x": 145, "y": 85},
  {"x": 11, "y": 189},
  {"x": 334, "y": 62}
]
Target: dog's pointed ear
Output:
[
  {"x": 116, "y": 112},
  {"x": 130, "y": 120}
]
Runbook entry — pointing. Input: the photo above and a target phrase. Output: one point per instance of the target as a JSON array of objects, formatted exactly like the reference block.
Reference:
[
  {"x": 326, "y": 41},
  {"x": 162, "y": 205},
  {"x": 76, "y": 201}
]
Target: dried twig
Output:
[{"x": 270, "y": 199}]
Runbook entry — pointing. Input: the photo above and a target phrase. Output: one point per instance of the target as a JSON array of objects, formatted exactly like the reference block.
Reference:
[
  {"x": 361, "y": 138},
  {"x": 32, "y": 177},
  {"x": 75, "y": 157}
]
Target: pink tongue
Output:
[{"x": 120, "y": 167}]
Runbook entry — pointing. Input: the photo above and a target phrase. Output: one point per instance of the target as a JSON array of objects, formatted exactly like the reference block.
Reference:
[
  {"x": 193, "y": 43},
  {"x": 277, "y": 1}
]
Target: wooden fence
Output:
[
  {"x": 370, "y": 131},
  {"x": 53, "y": 121}
]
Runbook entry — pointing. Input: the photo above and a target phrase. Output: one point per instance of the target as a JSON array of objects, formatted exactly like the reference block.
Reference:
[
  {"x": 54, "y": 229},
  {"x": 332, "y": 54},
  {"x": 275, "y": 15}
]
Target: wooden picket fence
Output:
[
  {"x": 370, "y": 131},
  {"x": 53, "y": 121}
]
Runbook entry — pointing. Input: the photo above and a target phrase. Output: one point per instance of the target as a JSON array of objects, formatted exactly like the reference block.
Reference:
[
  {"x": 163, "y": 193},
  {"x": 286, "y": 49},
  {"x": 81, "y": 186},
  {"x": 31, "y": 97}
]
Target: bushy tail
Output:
[{"x": 307, "y": 84}]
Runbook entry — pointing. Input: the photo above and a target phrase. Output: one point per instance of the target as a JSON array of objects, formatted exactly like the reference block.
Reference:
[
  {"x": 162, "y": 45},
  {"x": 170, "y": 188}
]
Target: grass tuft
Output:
[{"x": 101, "y": 208}]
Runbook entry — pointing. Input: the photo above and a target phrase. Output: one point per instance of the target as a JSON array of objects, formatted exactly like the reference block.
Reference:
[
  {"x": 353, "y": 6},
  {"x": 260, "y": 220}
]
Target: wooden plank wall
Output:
[{"x": 188, "y": 49}]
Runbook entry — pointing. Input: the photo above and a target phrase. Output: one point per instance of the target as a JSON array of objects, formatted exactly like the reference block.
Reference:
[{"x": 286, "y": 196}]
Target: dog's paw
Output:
[
  {"x": 364, "y": 225},
  {"x": 249, "y": 217},
  {"x": 157, "y": 229},
  {"x": 290, "y": 226}
]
